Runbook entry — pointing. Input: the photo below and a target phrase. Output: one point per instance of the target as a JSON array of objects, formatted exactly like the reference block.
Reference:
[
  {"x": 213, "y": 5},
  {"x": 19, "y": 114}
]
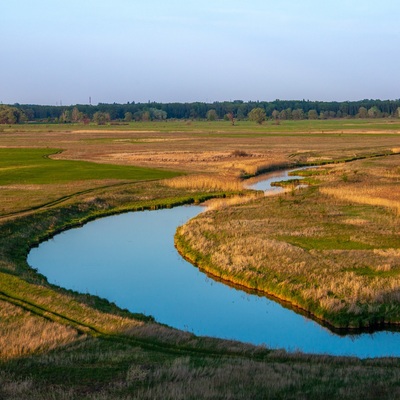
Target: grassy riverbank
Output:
[
  {"x": 331, "y": 249},
  {"x": 63, "y": 345}
]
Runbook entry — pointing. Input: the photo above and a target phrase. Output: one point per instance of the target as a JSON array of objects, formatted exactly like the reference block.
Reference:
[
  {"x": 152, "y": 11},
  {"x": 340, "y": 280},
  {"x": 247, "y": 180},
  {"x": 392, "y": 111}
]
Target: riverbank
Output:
[{"x": 335, "y": 259}]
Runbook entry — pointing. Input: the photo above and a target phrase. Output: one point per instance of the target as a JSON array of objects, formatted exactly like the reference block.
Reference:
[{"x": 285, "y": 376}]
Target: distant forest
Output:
[{"x": 239, "y": 110}]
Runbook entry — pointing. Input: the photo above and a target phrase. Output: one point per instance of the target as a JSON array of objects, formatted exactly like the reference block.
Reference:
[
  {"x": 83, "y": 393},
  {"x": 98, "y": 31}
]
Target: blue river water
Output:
[{"x": 130, "y": 259}]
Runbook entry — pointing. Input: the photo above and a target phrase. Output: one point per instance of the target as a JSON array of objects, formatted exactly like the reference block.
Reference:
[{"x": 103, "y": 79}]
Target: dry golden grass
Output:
[
  {"x": 221, "y": 162},
  {"x": 23, "y": 333},
  {"x": 317, "y": 251},
  {"x": 216, "y": 204},
  {"x": 363, "y": 182},
  {"x": 205, "y": 183},
  {"x": 62, "y": 308},
  {"x": 378, "y": 195}
]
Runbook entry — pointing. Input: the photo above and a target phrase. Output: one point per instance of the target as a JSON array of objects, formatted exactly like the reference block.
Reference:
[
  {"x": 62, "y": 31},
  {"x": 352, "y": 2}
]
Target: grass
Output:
[
  {"x": 339, "y": 126},
  {"x": 34, "y": 166},
  {"x": 299, "y": 246},
  {"x": 206, "y": 182},
  {"x": 23, "y": 333},
  {"x": 65, "y": 345}
]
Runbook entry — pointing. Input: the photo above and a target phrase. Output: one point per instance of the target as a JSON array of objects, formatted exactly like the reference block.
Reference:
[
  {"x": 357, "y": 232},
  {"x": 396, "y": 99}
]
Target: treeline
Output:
[{"x": 278, "y": 109}]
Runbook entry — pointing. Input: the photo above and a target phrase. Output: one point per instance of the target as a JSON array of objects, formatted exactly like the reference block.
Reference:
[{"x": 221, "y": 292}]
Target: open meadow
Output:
[{"x": 331, "y": 248}]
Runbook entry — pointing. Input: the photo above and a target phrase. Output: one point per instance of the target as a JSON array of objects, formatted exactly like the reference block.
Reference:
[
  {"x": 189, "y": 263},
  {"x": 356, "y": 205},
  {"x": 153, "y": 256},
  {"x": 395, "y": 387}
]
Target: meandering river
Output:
[{"x": 130, "y": 259}]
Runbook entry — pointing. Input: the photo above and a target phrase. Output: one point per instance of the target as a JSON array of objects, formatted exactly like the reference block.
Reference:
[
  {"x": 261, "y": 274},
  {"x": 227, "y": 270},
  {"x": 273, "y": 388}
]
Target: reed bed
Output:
[
  {"x": 258, "y": 167},
  {"x": 381, "y": 195},
  {"x": 371, "y": 183},
  {"x": 217, "y": 204},
  {"x": 205, "y": 183}
]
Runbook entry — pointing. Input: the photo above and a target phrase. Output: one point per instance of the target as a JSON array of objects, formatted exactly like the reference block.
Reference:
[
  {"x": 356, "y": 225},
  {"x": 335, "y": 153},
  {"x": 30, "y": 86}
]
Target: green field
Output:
[
  {"x": 34, "y": 166},
  {"x": 209, "y": 127}
]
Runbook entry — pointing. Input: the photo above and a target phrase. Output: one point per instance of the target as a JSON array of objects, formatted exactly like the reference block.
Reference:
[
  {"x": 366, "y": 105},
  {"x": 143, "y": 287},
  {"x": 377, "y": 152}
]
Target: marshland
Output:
[{"x": 331, "y": 248}]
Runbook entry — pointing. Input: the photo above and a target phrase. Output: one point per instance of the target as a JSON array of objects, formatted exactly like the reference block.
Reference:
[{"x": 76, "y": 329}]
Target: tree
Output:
[
  {"x": 240, "y": 115},
  {"x": 362, "y": 112},
  {"x": 193, "y": 113},
  {"x": 257, "y": 115},
  {"x": 374, "y": 112},
  {"x": 146, "y": 116},
  {"x": 275, "y": 114},
  {"x": 298, "y": 113},
  {"x": 128, "y": 116},
  {"x": 65, "y": 117},
  {"x": 101, "y": 118},
  {"x": 230, "y": 117},
  {"x": 157, "y": 114},
  {"x": 211, "y": 115},
  {"x": 138, "y": 115},
  {"x": 76, "y": 115},
  {"x": 286, "y": 114},
  {"x": 11, "y": 115},
  {"x": 312, "y": 114}
]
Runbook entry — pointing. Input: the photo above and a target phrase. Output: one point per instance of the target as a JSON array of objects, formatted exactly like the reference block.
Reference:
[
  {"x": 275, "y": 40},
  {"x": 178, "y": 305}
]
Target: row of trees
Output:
[
  {"x": 11, "y": 115},
  {"x": 234, "y": 110}
]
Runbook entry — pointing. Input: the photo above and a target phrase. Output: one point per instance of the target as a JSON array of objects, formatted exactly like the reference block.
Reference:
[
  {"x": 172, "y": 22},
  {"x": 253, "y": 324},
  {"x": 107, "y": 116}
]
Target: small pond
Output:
[{"x": 130, "y": 259}]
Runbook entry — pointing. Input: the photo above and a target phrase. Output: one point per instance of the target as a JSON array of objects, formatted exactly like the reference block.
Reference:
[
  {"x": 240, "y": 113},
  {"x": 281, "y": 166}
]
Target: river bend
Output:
[{"x": 130, "y": 259}]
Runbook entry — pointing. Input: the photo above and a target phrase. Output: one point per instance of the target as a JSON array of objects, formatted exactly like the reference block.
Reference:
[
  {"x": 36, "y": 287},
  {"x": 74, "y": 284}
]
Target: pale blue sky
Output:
[{"x": 184, "y": 51}]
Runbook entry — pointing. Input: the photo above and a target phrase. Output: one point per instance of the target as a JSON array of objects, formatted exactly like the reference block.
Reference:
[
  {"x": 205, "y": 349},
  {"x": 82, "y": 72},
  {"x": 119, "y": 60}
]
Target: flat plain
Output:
[{"x": 69, "y": 345}]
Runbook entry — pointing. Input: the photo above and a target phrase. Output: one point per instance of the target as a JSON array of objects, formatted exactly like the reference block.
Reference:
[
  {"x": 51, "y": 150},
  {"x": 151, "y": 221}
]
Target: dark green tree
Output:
[{"x": 11, "y": 115}]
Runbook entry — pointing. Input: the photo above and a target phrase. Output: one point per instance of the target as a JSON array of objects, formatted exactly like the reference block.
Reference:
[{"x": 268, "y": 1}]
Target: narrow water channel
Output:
[{"x": 130, "y": 259}]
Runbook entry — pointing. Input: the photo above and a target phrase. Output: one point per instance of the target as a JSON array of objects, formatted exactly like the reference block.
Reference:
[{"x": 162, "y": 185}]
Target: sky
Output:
[{"x": 66, "y": 52}]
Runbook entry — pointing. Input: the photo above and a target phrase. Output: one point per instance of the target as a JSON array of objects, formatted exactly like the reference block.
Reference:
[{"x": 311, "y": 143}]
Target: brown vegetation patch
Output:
[
  {"x": 205, "y": 182},
  {"x": 225, "y": 163},
  {"x": 365, "y": 182},
  {"x": 22, "y": 333},
  {"x": 383, "y": 195}
]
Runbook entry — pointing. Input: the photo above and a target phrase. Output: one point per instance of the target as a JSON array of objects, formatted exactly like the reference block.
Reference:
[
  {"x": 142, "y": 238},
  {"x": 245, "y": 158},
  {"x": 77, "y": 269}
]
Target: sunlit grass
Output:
[
  {"x": 34, "y": 166},
  {"x": 119, "y": 355},
  {"x": 323, "y": 253},
  {"x": 205, "y": 183},
  {"x": 372, "y": 126},
  {"x": 23, "y": 333}
]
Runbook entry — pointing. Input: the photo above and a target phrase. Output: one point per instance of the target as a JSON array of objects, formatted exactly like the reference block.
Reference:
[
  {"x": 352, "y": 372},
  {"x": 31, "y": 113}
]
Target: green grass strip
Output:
[{"x": 33, "y": 166}]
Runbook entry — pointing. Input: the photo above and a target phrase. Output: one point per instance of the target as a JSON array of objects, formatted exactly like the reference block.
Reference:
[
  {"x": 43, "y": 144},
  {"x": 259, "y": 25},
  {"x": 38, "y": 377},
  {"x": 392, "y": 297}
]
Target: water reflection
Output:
[{"x": 130, "y": 259}]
